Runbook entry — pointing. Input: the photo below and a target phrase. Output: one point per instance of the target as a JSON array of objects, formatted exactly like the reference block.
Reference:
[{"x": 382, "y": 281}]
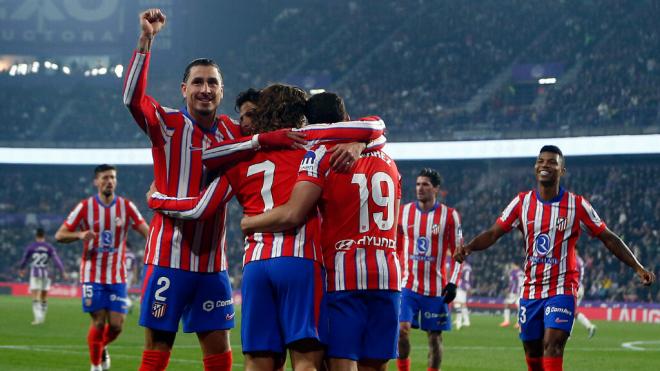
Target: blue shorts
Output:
[
  {"x": 535, "y": 315},
  {"x": 203, "y": 300},
  {"x": 99, "y": 296},
  {"x": 364, "y": 324},
  {"x": 434, "y": 311},
  {"x": 282, "y": 303}
]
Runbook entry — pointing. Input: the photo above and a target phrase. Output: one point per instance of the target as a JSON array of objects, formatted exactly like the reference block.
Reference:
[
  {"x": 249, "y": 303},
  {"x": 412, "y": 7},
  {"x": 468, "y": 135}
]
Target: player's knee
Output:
[
  {"x": 553, "y": 349},
  {"x": 116, "y": 327},
  {"x": 404, "y": 330}
]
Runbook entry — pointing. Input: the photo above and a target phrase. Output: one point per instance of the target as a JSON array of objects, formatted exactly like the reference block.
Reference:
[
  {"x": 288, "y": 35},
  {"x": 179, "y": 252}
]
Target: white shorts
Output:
[
  {"x": 511, "y": 299},
  {"x": 39, "y": 283},
  {"x": 461, "y": 297}
]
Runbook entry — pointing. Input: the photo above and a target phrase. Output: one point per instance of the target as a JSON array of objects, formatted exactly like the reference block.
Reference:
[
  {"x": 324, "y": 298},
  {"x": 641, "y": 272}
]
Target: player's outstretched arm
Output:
[
  {"x": 292, "y": 214},
  {"x": 619, "y": 248},
  {"x": 483, "y": 241},
  {"x": 202, "y": 206}
]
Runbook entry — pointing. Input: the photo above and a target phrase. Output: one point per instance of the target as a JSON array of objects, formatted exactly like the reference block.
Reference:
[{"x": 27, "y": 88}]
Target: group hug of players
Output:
[{"x": 334, "y": 267}]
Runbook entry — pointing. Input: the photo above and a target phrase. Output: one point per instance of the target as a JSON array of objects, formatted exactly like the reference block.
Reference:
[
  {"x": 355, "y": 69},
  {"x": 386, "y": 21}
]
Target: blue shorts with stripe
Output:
[
  {"x": 203, "y": 301},
  {"x": 535, "y": 315},
  {"x": 430, "y": 313},
  {"x": 99, "y": 296}
]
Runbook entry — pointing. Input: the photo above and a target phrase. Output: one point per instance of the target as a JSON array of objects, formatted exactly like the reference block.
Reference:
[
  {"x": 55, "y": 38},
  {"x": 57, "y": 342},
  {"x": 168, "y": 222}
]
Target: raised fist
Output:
[{"x": 151, "y": 21}]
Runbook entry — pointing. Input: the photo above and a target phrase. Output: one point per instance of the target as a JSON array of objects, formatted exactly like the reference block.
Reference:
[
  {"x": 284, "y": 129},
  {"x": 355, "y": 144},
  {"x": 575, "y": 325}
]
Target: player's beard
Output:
[{"x": 107, "y": 192}]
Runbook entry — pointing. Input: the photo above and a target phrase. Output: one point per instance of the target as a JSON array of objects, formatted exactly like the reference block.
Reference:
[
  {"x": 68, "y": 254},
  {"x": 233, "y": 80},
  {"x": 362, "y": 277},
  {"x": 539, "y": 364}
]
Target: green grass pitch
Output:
[{"x": 60, "y": 344}]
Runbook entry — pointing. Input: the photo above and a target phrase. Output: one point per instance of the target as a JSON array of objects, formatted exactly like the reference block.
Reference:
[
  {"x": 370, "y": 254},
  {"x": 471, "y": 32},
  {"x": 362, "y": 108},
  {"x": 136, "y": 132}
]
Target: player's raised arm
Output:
[
  {"x": 202, "y": 206},
  {"x": 616, "y": 245},
  {"x": 292, "y": 214},
  {"x": 142, "y": 107},
  {"x": 483, "y": 241}
]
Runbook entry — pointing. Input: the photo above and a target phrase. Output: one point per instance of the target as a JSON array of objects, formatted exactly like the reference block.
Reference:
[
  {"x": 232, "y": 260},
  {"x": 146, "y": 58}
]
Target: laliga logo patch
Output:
[
  {"x": 423, "y": 245},
  {"x": 542, "y": 244},
  {"x": 88, "y": 302}
]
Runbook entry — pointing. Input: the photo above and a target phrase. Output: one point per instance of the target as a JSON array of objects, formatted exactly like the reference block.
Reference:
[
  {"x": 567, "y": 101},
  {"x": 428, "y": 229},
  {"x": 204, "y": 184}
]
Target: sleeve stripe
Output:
[
  {"x": 371, "y": 125},
  {"x": 227, "y": 150},
  {"x": 74, "y": 214},
  {"x": 133, "y": 77},
  {"x": 198, "y": 210}
]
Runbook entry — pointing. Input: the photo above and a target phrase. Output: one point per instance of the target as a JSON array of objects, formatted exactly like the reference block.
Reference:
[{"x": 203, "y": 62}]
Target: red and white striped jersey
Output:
[
  {"x": 550, "y": 231},
  {"x": 425, "y": 240},
  {"x": 104, "y": 257},
  {"x": 177, "y": 146},
  {"x": 359, "y": 220}
]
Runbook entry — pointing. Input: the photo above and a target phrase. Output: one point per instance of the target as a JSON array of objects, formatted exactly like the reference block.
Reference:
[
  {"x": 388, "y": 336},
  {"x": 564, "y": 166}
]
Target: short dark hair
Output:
[
  {"x": 325, "y": 107},
  {"x": 433, "y": 175},
  {"x": 40, "y": 233},
  {"x": 553, "y": 149},
  {"x": 201, "y": 62},
  {"x": 251, "y": 95},
  {"x": 103, "y": 167},
  {"x": 280, "y": 106}
]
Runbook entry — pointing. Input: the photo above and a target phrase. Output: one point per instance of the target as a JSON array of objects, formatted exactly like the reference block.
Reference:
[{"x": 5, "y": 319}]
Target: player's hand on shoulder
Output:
[
  {"x": 152, "y": 21},
  {"x": 345, "y": 155}
]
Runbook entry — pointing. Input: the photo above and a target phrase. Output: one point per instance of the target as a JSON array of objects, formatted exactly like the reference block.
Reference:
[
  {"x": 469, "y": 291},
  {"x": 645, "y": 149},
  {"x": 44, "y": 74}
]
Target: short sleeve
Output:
[
  {"x": 589, "y": 219},
  {"x": 510, "y": 217}
]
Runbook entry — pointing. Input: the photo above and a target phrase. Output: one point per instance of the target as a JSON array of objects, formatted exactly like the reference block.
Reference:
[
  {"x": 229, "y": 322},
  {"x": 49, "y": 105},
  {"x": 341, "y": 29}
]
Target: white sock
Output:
[
  {"x": 584, "y": 320},
  {"x": 507, "y": 314},
  {"x": 44, "y": 310},
  {"x": 36, "y": 310},
  {"x": 466, "y": 316}
]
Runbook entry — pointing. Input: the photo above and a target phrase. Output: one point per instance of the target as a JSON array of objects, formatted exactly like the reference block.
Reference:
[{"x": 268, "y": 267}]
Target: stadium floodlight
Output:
[
  {"x": 95, "y": 71},
  {"x": 119, "y": 70},
  {"x": 86, "y": 73},
  {"x": 103, "y": 71},
  {"x": 54, "y": 66},
  {"x": 35, "y": 67},
  {"x": 548, "y": 81},
  {"x": 316, "y": 91},
  {"x": 22, "y": 69},
  {"x": 47, "y": 64},
  {"x": 66, "y": 70},
  {"x": 12, "y": 70}
]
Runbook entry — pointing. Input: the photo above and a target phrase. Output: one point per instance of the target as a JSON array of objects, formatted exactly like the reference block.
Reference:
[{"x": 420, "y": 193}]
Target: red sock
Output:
[
  {"x": 218, "y": 362},
  {"x": 95, "y": 342},
  {"x": 553, "y": 363},
  {"x": 432, "y": 369},
  {"x": 154, "y": 360},
  {"x": 403, "y": 364},
  {"x": 534, "y": 363},
  {"x": 108, "y": 336}
]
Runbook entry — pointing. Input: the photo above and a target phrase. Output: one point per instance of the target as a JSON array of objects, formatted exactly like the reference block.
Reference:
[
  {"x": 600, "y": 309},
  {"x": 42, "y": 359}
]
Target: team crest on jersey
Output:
[
  {"x": 423, "y": 244},
  {"x": 435, "y": 229},
  {"x": 158, "y": 309},
  {"x": 118, "y": 222},
  {"x": 542, "y": 244},
  {"x": 562, "y": 223}
]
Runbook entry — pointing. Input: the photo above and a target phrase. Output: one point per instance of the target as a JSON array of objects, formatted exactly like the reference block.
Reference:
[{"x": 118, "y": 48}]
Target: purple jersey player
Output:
[
  {"x": 516, "y": 278},
  {"x": 584, "y": 321},
  {"x": 39, "y": 254}
]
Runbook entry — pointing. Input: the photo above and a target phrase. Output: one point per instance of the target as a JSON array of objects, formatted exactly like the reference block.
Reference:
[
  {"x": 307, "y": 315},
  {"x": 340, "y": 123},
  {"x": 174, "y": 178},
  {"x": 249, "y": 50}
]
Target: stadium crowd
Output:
[
  {"x": 426, "y": 83},
  {"x": 622, "y": 191}
]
